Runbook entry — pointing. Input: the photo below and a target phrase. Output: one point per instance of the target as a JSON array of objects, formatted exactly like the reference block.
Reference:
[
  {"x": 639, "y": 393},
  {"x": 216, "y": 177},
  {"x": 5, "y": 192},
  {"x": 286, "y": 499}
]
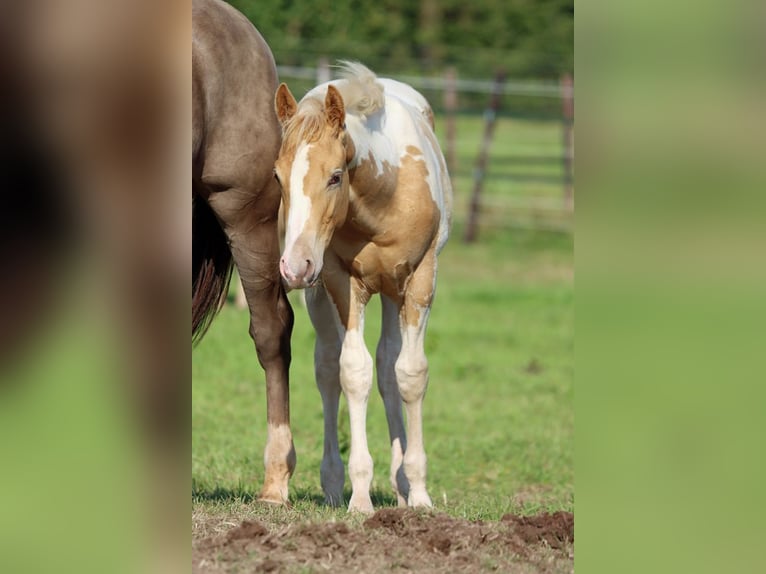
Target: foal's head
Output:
[{"x": 312, "y": 169}]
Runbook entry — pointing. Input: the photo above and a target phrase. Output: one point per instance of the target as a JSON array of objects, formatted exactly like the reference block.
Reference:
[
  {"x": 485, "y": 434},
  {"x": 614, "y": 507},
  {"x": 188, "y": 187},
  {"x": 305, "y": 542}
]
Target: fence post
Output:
[
  {"x": 450, "y": 110},
  {"x": 567, "y": 104},
  {"x": 323, "y": 70},
  {"x": 490, "y": 116}
]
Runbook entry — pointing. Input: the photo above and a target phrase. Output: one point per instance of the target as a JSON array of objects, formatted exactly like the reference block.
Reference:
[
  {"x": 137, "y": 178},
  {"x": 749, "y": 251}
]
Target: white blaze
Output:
[{"x": 300, "y": 203}]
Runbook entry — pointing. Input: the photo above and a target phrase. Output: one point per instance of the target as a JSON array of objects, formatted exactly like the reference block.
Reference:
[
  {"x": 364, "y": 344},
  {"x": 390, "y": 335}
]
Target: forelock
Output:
[{"x": 307, "y": 125}]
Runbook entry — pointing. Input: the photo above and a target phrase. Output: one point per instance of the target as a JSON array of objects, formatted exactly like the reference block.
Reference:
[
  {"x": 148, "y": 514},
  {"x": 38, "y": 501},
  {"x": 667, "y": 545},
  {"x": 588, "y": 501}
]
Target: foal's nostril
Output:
[{"x": 284, "y": 269}]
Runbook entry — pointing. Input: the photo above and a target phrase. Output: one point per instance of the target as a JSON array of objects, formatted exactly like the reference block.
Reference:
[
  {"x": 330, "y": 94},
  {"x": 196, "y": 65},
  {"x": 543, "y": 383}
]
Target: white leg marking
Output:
[
  {"x": 412, "y": 378},
  {"x": 279, "y": 460},
  {"x": 356, "y": 381},
  {"x": 389, "y": 347},
  {"x": 327, "y": 372}
]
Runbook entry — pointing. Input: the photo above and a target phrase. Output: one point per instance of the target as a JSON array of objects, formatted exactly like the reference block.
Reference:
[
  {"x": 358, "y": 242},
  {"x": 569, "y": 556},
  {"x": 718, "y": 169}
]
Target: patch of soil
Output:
[
  {"x": 555, "y": 529},
  {"x": 246, "y": 530},
  {"x": 395, "y": 539}
]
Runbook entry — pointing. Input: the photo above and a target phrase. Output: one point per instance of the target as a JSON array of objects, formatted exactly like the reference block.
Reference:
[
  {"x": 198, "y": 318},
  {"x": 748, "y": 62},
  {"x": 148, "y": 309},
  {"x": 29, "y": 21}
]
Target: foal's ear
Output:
[
  {"x": 334, "y": 109},
  {"x": 284, "y": 103}
]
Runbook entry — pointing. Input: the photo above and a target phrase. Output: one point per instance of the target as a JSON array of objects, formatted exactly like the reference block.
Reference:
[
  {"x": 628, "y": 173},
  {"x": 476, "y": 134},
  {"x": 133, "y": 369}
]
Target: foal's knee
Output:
[
  {"x": 386, "y": 373},
  {"x": 412, "y": 376},
  {"x": 326, "y": 359},
  {"x": 355, "y": 370}
]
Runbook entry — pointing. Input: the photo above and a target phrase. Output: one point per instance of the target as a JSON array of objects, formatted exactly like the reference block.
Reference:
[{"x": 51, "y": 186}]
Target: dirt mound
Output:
[
  {"x": 434, "y": 531},
  {"x": 555, "y": 529},
  {"x": 246, "y": 530},
  {"x": 394, "y": 539}
]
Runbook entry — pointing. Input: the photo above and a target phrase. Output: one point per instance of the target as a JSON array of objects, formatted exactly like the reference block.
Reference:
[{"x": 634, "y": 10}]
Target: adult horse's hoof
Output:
[
  {"x": 275, "y": 496},
  {"x": 274, "y": 501}
]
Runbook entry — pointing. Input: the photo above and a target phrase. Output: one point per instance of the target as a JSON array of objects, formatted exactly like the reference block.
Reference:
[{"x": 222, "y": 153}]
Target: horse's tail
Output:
[{"x": 211, "y": 267}]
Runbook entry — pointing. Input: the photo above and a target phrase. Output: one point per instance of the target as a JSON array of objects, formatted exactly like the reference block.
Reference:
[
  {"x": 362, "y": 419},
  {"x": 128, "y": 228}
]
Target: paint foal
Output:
[{"x": 368, "y": 202}]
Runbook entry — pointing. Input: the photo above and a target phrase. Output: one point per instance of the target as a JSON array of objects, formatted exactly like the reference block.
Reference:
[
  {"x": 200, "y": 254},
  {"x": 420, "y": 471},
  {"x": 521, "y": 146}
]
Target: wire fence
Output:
[{"x": 538, "y": 89}]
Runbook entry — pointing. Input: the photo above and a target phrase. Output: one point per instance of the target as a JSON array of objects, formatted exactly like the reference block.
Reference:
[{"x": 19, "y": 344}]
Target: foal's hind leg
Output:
[
  {"x": 412, "y": 374},
  {"x": 327, "y": 371},
  {"x": 389, "y": 348}
]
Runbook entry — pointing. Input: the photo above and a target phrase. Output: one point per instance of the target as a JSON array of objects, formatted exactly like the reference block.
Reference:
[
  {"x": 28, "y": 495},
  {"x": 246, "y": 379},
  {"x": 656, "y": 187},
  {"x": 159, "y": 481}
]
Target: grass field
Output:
[{"x": 498, "y": 416}]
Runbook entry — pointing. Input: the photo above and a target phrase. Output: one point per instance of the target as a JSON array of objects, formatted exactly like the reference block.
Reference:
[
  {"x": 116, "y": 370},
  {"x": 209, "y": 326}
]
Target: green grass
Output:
[{"x": 498, "y": 415}]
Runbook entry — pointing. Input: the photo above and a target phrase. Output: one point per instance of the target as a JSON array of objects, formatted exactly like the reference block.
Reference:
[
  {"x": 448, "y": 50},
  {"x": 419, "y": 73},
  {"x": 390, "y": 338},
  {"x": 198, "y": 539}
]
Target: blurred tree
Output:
[{"x": 529, "y": 38}]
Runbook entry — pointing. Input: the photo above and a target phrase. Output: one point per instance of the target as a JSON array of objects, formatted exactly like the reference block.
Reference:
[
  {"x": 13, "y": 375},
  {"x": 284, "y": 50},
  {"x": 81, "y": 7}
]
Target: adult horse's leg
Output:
[
  {"x": 412, "y": 374},
  {"x": 251, "y": 227},
  {"x": 389, "y": 348},
  {"x": 327, "y": 371}
]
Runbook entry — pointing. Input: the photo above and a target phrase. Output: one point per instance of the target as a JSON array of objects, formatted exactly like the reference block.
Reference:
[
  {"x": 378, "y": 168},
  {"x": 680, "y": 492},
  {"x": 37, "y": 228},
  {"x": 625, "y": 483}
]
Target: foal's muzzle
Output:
[{"x": 298, "y": 274}]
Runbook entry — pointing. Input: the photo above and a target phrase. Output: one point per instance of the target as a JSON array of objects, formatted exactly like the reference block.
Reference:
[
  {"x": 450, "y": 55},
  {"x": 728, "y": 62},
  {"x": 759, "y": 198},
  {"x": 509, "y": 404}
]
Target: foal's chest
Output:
[{"x": 381, "y": 269}]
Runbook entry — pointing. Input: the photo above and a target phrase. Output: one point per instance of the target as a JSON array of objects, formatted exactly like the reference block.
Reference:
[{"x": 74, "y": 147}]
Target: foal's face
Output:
[{"x": 314, "y": 179}]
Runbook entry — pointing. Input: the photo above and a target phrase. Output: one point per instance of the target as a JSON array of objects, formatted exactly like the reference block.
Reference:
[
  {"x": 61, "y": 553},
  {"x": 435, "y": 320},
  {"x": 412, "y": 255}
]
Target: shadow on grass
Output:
[
  {"x": 219, "y": 494},
  {"x": 380, "y": 499}
]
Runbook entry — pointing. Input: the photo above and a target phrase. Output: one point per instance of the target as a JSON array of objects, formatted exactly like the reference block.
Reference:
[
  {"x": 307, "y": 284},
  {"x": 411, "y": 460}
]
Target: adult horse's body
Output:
[
  {"x": 368, "y": 202},
  {"x": 236, "y": 137}
]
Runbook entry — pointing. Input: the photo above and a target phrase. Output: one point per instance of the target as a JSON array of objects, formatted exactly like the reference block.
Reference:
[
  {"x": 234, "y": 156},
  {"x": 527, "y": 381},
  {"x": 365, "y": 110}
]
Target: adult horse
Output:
[
  {"x": 368, "y": 202},
  {"x": 236, "y": 137}
]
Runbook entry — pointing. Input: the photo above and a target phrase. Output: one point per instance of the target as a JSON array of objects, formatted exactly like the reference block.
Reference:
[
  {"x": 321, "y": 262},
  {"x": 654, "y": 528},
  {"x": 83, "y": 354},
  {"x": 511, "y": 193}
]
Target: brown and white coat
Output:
[{"x": 368, "y": 205}]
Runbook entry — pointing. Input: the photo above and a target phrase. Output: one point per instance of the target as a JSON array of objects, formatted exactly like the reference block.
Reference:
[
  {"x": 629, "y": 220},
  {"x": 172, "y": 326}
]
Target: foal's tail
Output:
[
  {"x": 363, "y": 94},
  {"x": 211, "y": 267}
]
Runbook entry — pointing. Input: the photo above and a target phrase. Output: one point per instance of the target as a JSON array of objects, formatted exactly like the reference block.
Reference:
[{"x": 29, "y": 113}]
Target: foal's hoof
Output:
[
  {"x": 361, "y": 504},
  {"x": 419, "y": 500},
  {"x": 334, "y": 501}
]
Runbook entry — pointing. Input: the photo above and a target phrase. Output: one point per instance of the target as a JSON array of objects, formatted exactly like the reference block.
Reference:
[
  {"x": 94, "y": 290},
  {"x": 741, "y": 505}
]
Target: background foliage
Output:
[{"x": 528, "y": 38}]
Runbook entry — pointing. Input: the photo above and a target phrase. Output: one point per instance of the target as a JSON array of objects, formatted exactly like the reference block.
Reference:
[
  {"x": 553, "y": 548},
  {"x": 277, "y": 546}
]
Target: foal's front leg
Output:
[
  {"x": 356, "y": 382},
  {"x": 412, "y": 375}
]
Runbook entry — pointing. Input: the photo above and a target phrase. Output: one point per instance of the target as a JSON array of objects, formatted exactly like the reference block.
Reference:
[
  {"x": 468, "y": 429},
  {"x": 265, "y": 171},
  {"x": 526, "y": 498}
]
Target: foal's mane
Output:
[{"x": 362, "y": 96}]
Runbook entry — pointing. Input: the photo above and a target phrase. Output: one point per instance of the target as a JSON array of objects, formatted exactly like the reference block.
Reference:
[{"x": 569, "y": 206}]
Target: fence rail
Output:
[{"x": 439, "y": 83}]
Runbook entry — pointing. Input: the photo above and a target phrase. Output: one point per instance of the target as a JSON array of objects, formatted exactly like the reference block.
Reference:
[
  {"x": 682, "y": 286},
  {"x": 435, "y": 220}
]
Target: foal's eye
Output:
[{"x": 334, "y": 180}]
